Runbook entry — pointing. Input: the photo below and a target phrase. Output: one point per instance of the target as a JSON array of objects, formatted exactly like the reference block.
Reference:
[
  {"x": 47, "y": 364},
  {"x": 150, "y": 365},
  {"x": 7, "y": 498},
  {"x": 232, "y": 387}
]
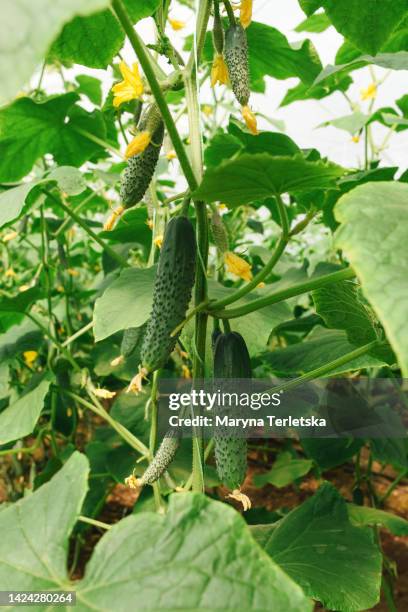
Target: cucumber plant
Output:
[{"x": 243, "y": 252}]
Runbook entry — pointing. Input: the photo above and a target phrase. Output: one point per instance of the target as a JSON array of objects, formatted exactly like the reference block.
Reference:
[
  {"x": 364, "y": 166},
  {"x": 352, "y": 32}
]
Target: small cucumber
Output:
[
  {"x": 236, "y": 58},
  {"x": 140, "y": 169}
]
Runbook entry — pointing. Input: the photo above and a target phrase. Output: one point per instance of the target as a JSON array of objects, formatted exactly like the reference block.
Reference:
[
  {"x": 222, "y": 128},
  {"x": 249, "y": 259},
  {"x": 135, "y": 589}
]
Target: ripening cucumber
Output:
[
  {"x": 140, "y": 169},
  {"x": 236, "y": 58},
  {"x": 171, "y": 294},
  {"x": 162, "y": 459},
  {"x": 231, "y": 361}
]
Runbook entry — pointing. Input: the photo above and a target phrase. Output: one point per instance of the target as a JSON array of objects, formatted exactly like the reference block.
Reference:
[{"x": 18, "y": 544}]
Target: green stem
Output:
[
  {"x": 329, "y": 367},
  {"x": 95, "y": 523},
  {"x": 121, "y": 261},
  {"x": 120, "y": 429},
  {"x": 157, "y": 92},
  {"x": 202, "y": 24},
  {"x": 78, "y": 334},
  {"x": 393, "y": 486},
  {"x": 153, "y": 435},
  {"x": 284, "y": 294},
  {"x": 266, "y": 270},
  {"x": 230, "y": 12},
  {"x": 99, "y": 141}
]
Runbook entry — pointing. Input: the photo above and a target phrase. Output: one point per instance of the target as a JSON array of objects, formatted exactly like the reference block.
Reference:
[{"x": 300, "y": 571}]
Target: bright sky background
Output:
[{"x": 301, "y": 118}]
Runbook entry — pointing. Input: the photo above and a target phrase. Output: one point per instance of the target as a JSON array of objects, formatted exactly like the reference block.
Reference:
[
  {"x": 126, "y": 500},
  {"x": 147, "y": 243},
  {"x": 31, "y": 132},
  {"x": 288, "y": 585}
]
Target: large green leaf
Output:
[
  {"x": 282, "y": 60},
  {"x": 26, "y": 31},
  {"x": 19, "y": 338},
  {"x": 19, "y": 419},
  {"x": 368, "y": 25},
  {"x": 334, "y": 562},
  {"x": 330, "y": 452},
  {"x": 320, "y": 348},
  {"x": 94, "y": 41},
  {"x": 13, "y": 201},
  {"x": 203, "y": 545},
  {"x": 255, "y": 177},
  {"x": 34, "y": 546},
  {"x": 127, "y": 302},
  {"x": 372, "y": 234},
  {"x": 29, "y": 130},
  {"x": 200, "y": 553}
]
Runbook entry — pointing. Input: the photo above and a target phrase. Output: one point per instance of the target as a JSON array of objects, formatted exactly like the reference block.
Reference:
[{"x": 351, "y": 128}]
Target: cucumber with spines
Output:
[
  {"x": 161, "y": 461},
  {"x": 171, "y": 294},
  {"x": 139, "y": 172},
  {"x": 236, "y": 58},
  {"x": 231, "y": 361}
]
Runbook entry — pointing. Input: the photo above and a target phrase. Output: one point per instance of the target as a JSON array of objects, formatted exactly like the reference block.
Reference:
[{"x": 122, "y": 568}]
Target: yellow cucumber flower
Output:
[
  {"x": 138, "y": 144},
  {"x": 29, "y": 357},
  {"x": 176, "y": 24},
  {"x": 10, "y": 236},
  {"x": 130, "y": 88},
  {"x": 158, "y": 241},
  {"x": 369, "y": 93},
  {"x": 355, "y": 138},
  {"x": 219, "y": 71},
  {"x": 110, "y": 223},
  {"x": 104, "y": 393},
  {"x": 250, "y": 120},
  {"x": 245, "y": 16},
  {"x": 171, "y": 155},
  {"x": 238, "y": 266}
]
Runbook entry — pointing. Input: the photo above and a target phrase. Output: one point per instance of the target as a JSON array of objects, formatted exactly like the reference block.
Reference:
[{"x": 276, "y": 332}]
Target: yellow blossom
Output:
[
  {"x": 10, "y": 273},
  {"x": 369, "y": 93},
  {"x": 60, "y": 288},
  {"x": 104, "y": 393},
  {"x": 261, "y": 285},
  {"x": 171, "y": 155},
  {"x": 238, "y": 266},
  {"x": 186, "y": 371},
  {"x": 355, "y": 138},
  {"x": 23, "y": 288},
  {"x": 222, "y": 206},
  {"x": 110, "y": 223},
  {"x": 207, "y": 110},
  {"x": 176, "y": 24},
  {"x": 245, "y": 16},
  {"x": 158, "y": 241},
  {"x": 72, "y": 272},
  {"x": 219, "y": 71},
  {"x": 250, "y": 120},
  {"x": 130, "y": 88},
  {"x": 30, "y": 357},
  {"x": 149, "y": 223},
  {"x": 138, "y": 144},
  {"x": 9, "y": 236}
]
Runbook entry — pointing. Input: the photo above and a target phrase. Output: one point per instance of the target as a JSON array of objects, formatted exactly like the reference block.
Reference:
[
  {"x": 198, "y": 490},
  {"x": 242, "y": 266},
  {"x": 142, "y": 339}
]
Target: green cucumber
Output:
[
  {"x": 231, "y": 361},
  {"x": 219, "y": 232},
  {"x": 140, "y": 169},
  {"x": 236, "y": 58},
  {"x": 171, "y": 294},
  {"x": 161, "y": 461},
  {"x": 130, "y": 341}
]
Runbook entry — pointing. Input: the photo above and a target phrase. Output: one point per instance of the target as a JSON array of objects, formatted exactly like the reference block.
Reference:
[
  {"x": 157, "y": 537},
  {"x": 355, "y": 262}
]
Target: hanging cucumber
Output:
[
  {"x": 231, "y": 361},
  {"x": 140, "y": 169},
  {"x": 162, "y": 459},
  {"x": 236, "y": 57},
  {"x": 171, "y": 294}
]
